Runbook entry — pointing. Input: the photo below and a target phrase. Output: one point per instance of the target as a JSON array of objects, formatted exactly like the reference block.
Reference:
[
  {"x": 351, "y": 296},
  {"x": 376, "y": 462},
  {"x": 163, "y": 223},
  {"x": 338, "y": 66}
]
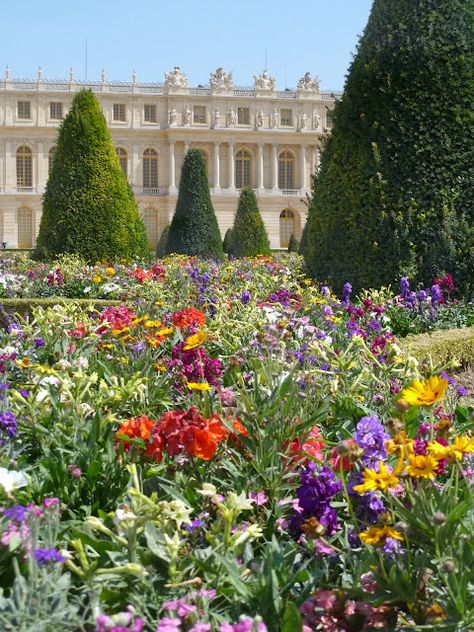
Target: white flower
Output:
[
  {"x": 207, "y": 490},
  {"x": 11, "y": 480}
]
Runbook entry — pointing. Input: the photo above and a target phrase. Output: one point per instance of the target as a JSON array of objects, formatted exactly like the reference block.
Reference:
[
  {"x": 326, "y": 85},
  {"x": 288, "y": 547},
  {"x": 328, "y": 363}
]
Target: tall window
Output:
[
  {"x": 150, "y": 169},
  {"x": 55, "y": 110},
  {"x": 149, "y": 113},
  {"x": 24, "y": 110},
  {"x": 25, "y": 227},
  {"x": 243, "y": 116},
  {"x": 287, "y": 227},
  {"x": 286, "y": 118},
  {"x": 24, "y": 167},
  {"x": 199, "y": 114},
  {"x": 329, "y": 119},
  {"x": 123, "y": 160},
  {"x": 150, "y": 219},
  {"x": 286, "y": 169},
  {"x": 51, "y": 153},
  {"x": 119, "y": 112},
  {"x": 243, "y": 169}
]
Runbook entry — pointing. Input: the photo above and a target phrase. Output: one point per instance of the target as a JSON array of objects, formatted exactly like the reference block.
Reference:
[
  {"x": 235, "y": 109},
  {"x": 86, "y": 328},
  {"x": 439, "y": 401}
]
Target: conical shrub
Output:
[
  {"x": 194, "y": 230},
  {"x": 88, "y": 205},
  {"x": 249, "y": 237},
  {"x": 162, "y": 242},
  {"x": 395, "y": 191},
  {"x": 227, "y": 240}
]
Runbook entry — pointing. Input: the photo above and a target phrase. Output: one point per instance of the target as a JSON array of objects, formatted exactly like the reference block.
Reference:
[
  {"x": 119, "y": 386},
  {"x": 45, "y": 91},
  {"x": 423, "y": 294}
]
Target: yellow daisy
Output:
[
  {"x": 199, "y": 386},
  {"x": 462, "y": 445},
  {"x": 425, "y": 393},
  {"x": 376, "y": 536},
  {"x": 373, "y": 480},
  {"x": 194, "y": 341},
  {"x": 421, "y": 466}
]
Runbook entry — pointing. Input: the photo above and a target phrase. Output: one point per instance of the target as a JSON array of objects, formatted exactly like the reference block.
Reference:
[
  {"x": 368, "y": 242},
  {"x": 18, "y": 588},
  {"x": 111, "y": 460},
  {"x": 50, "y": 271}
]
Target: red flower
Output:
[
  {"x": 78, "y": 332},
  {"x": 189, "y": 316},
  {"x": 312, "y": 447}
]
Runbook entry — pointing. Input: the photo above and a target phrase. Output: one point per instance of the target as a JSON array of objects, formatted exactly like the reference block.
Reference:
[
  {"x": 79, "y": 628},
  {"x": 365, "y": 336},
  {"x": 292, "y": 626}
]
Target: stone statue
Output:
[
  {"x": 221, "y": 80},
  {"x": 187, "y": 115},
  {"x": 316, "y": 120},
  {"x": 40, "y": 73},
  {"x": 7, "y": 73},
  {"x": 308, "y": 84},
  {"x": 260, "y": 119},
  {"x": 176, "y": 79},
  {"x": 264, "y": 81},
  {"x": 173, "y": 117},
  {"x": 232, "y": 118},
  {"x": 71, "y": 74},
  {"x": 215, "y": 118},
  {"x": 275, "y": 121},
  {"x": 103, "y": 76},
  {"x": 303, "y": 120}
]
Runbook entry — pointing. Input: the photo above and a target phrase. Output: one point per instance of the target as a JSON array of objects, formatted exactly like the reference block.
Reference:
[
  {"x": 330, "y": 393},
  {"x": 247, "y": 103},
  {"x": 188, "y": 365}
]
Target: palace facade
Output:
[{"x": 257, "y": 136}]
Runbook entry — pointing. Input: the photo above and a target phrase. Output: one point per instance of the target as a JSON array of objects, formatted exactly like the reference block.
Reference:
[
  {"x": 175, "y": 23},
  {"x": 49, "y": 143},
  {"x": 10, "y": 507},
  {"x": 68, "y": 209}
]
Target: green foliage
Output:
[
  {"x": 395, "y": 190},
  {"x": 249, "y": 237},
  {"x": 88, "y": 206},
  {"x": 227, "y": 240},
  {"x": 162, "y": 242},
  {"x": 194, "y": 230},
  {"x": 441, "y": 347},
  {"x": 294, "y": 244}
]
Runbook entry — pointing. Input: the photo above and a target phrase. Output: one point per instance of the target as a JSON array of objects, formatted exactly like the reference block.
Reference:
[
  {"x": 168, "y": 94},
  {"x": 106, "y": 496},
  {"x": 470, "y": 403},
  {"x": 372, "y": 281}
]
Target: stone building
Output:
[{"x": 257, "y": 136}]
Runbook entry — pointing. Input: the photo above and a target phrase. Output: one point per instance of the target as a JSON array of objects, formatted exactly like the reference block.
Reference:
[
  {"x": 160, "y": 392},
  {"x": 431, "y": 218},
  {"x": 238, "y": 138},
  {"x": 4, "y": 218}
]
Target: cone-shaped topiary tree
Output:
[
  {"x": 162, "y": 242},
  {"x": 249, "y": 237},
  {"x": 395, "y": 191},
  {"x": 227, "y": 240},
  {"x": 88, "y": 206},
  {"x": 194, "y": 230},
  {"x": 293, "y": 244}
]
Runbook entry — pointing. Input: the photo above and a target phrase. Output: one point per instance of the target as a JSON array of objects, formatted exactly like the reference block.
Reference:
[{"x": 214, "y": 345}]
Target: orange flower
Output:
[
  {"x": 136, "y": 428},
  {"x": 189, "y": 316},
  {"x": 239, "y": 428}
]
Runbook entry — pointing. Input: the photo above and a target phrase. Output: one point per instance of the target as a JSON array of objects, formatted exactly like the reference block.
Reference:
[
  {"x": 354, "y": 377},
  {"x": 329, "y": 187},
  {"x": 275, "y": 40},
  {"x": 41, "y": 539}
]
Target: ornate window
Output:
[
  {"x": 286, "y": 170},
  {"x": 243, "y": 116},
  {"x": 51, "y": 153},
  {"x": 149, "y": 113},
  {"x": 329, "y": 119},
  {"x": 24, "y": 168},
  {"x": 287, "y": 227},
  {"x": 119, "y": 112},
  {"x": 243, "y": 169},
  {"x": 24, "y": 110},
  {"x": 25, "y": 227},
  {"x": 55, "y": 110},
  {"x": 286, "y": 118},
  {"x": 150, "y": 169},
  {"x": 150, "y": 219},
  {"x": 199, "y": 114},
  {"x": 123, "y": 160}
]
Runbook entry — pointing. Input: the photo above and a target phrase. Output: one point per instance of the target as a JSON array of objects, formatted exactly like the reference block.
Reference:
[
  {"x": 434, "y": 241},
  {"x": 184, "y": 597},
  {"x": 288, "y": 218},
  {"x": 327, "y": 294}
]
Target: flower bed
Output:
[{"x": 228, "y": 448}]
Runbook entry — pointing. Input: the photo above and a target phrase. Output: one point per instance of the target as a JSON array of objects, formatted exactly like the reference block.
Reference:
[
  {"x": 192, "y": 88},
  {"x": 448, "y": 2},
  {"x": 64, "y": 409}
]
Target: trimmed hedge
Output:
[
  {"x": 442, "y": 346},
  {"x": 9, "y": 307},
  {"x": 248, "y": 236}
]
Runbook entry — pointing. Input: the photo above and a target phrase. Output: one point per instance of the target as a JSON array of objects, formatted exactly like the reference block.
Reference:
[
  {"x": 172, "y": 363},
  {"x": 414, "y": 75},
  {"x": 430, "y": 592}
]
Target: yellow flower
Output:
[
  {"x": 160, "y": 367},
  {"x": 425, "y": 393},
  {"x": 377, "y": 535},
  {"x": 307, "y": 281},
  {"x": 401, "y": 445},
  {"x": 109, "y": 271},
  {"x": 124, "y": 360},
  {"x": 137, "y": 321},
  {"x": 117, "y": 332},
  {"x": 153, "y": 323},
  {"x": 462, "y": 445},
  {"x": 420, "y": 466},
  {"x": 199, "y": 386},
  {"x": 373, "y": 480},
  {"x": 23, "y": 363},
  {"x": 96, "y": 278},
  {"x": 194, "y": 341}
]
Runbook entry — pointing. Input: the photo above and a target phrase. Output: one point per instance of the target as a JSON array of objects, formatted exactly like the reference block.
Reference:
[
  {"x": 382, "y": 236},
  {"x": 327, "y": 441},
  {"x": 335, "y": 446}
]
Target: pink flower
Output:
[
  {"x": 259, "y": 498},
  {"x": 322, "y": 548}
]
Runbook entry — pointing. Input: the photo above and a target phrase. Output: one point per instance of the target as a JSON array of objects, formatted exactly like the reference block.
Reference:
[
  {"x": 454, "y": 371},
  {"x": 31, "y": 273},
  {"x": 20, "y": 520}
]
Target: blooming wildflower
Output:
[
  {"x": 8, "y": 425},
  {"x": 260, "y": 498},
  {"x": 189, "y": 316},
  {"x": 168, "y": 624},
  {"x": 121, "y": 622},
  {"x": 346, "y": 294},
  {"x": 47, "y": 556},
  {"x": 392, "y": 547},
  {"x": 245, "y": 624},
  {"x": 425, "y": 393},
  {"x": 371, "y": 436},
  {"x": 109, "y": 271},
  {"x": 382, "y": 480},
  {"x": 461, "y": 445},
  {"x": 198, "y": 386},
  {"x": 11, "y": 480},
  {"x": 420, "y": 466},
  {"x": 246, "y": 296},
  {"x": 196, "y": 340},
  {"x": 376, "y": 536}
]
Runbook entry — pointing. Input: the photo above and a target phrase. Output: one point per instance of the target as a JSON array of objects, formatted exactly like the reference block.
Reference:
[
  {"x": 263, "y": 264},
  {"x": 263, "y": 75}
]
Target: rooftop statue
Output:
[
  {"x": 221, "y": 80},
  {"x": 264, "y": 81},
  {"x": 176, "y": 79},
  {"x": 308, "y": 83}
]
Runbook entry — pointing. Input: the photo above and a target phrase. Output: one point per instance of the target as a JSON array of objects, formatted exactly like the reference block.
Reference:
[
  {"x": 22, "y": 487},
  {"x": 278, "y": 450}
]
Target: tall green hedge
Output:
[
  {"x": 248, "y": 237},
  {"x": 395, "y": 191},
  {"x": 88, "y": 206},
  {"x": 194, "y": 230},
  {"x": 162, "y": 241}
]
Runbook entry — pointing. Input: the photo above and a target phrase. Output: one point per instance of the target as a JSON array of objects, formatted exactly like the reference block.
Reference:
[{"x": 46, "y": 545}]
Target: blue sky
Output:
[{"x": 152, "y": 36}]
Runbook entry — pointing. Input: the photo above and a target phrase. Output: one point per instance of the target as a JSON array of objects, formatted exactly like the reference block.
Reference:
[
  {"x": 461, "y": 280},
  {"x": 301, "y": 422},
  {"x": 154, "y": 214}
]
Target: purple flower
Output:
[
  {"x": 3, "y": 387},
  {"x": 8, "y": 426},
  {"x": 169, "y": 625},
  {"x": 39, "y": 342},
  {"x": 47, "y": 556},
  {"x": 246, "y": 296},
  {"x": 245, "y": 624},
  {"x": 371, "y": 436},
  {"x": 346, "y": 294},
  {"x": 461, "y": 391},
  {"x": 436, "y": 296},
  {"x": 392, "y": 547},
  {"x": 404, "y": 287},
  {"x": 16, "y": 513}
]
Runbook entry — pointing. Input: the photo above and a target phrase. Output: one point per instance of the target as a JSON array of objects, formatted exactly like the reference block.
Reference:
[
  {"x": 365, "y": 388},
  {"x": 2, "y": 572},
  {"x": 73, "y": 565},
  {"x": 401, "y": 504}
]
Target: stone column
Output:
[
  {"x": 231, "y": 166},
  {"x": 172, "y": 186},
  {"x": 260, "y": 168},
  {"x": 217, "y": 175},
  {"x": 302, "y": 167},
  {"x": 9, "y": 167},
  {"x": 134, "y": 178},
  {"x": 274, "y": 168}
]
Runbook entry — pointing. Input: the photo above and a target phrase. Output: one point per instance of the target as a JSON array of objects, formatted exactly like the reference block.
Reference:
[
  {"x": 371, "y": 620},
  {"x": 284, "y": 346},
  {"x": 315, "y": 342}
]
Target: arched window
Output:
[
  {"x": 25, "y": 227},
  {"x": 243, "y": 169},
  {"x": 51, "y": 153},
  {"x": 150, "y": 219},
  {"x": 150, "y": 169},
  {"x": 24, "y": 167},
  {"x": 123, "y": 160},
  {"x": 287, "y": 227},
  {"x": 286, "y": 170}
]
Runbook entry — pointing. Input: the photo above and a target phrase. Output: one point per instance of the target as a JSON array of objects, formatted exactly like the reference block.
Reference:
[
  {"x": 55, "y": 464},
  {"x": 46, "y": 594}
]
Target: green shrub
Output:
[
  {"x": 194, "y": 230},
  {"x": 88, "y": 206},
  {"x": 442, "y": 346},
  {"x": 395, "y": 191},
  {"x": 162, "y": 242},
  {"x": 227, "y": 240},
  {"x": 249, "y": 237},
  {"x": 294, "y": 244}
]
